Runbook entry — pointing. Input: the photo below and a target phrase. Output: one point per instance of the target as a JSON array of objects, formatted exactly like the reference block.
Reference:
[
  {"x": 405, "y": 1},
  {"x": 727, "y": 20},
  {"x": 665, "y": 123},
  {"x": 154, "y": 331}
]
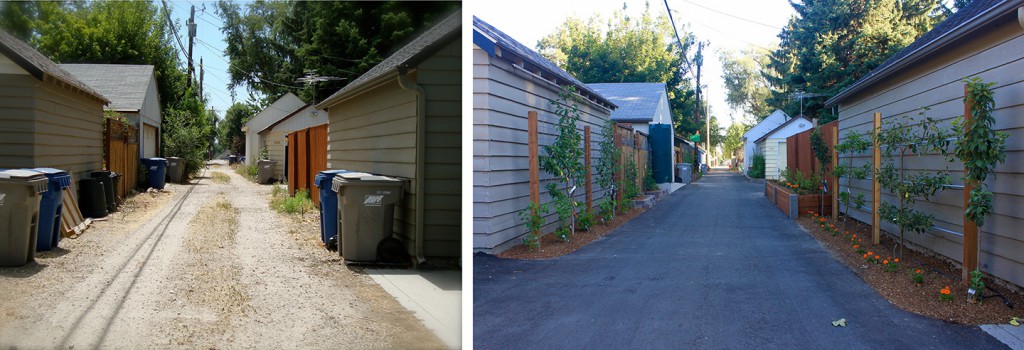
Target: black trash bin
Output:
[
  {"x": 91, "y": 198},
  {"x": 109, "y": 194}
]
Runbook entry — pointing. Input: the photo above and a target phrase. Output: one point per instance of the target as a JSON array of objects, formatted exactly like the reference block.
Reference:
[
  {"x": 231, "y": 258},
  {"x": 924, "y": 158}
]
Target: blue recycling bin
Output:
[
  {"x": 328, "y": 203},
  {"x": 50, "y": 208},
  {"x": 156, "y": 172}
]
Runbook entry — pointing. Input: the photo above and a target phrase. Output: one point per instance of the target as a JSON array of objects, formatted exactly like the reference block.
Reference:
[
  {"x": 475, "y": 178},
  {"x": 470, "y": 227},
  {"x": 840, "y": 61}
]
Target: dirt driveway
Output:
[{"x": 204, "y": 265}]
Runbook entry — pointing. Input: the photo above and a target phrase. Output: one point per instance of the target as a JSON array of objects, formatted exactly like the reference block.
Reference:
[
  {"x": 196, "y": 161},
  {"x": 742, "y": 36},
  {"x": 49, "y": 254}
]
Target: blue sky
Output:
[
  {"x": 727, "y": 24},
  {"x": 209, "y": 45}
]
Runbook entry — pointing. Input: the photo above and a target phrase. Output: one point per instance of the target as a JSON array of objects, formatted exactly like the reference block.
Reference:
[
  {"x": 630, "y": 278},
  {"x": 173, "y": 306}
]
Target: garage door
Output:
[{"x": 148, "y": 141}]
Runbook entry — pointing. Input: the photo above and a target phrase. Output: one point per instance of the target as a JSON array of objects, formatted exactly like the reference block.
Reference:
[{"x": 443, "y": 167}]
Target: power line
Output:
[
  {"x": 174, "y": 31},
  {"x": 689, "y": 68},
  {"x": 730, "y": 15}
]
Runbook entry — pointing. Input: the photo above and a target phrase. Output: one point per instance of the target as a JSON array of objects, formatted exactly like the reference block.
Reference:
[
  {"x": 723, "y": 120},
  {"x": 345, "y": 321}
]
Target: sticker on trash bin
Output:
[
  {"x": 153, "y": 168},
  {"x": 373, "y": 200}
]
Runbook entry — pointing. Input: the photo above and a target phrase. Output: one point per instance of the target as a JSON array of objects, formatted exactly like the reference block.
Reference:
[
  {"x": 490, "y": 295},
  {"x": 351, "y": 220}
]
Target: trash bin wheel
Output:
[
  {"x": 332, "y": 243},
  {"x": 390, "y": 250}
]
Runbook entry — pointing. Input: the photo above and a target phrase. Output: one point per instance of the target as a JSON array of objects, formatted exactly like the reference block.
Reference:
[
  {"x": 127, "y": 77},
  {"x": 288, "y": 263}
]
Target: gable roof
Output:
[
  {"x": 637, "y": 102},
  {"x": 975, "y": 16},
  {"x": 408, "y": 56},
  {"x": 768, "y": 134},
  {"x": 771, "y": 119},
  {"x": 124, "y": 84},
  {"x": 286, "y": 117},
  {"x": 40, "y": 66},
  {"x": 491, "y": 39},
  {"x": 279, "y": 109}
]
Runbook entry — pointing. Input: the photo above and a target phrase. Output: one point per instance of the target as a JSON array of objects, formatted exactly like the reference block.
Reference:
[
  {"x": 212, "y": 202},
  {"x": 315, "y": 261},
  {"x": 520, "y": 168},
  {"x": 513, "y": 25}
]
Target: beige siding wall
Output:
[
  {"x": 994, "y": 56},
  {"x": 502, "y": 97},
  {"x": 43, "y": 124},
  {"x": 771, "y": 158},
  {"x": 441, "y": 79},
  {"x": 275, "y": 142},
  {"x": 375, "y": 132},
  {"x": 17, "y": 120}
]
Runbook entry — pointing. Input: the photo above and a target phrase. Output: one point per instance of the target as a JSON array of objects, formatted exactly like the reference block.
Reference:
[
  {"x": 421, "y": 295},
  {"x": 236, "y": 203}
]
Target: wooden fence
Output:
[
  {"x": 306, "y": 156},
  {"x": 633, "y": 146},
  {"x": 800, "y": 157},
  {"x": 121, "y": 150}
]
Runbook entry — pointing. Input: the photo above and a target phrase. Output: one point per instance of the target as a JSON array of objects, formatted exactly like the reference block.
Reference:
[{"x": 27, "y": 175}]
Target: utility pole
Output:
[
  {"x": 191, "y": 39},
  {"x": 707, "y": 131},
  {"x": 699, "y": 58},
  {"x": 201, "y": 78}
]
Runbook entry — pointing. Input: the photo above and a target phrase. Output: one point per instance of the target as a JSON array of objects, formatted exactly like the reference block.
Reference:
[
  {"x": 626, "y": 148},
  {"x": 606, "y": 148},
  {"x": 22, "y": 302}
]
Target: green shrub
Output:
[
  {"x": 247, "y": 171},
  {"x": 756, "y": 166},
  {"x": 299, "y": 204}
]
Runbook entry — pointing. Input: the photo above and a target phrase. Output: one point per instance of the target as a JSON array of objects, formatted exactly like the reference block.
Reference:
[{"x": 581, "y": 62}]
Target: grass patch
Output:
[
  {"x": 220, "y": 177},
  {"x": 283, "y": 203},
  {"x": 247, "y": 171}
]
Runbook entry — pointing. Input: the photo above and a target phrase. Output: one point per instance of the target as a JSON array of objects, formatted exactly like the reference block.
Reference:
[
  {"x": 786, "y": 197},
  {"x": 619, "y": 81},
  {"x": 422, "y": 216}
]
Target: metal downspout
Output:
[{"x": 421, "y": 136}]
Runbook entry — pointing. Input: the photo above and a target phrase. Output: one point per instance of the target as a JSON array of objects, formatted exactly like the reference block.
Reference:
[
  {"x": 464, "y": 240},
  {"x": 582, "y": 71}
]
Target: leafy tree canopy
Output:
[
  {"x": 830, "y": 44},
  {"x": 625, "y": 49},
  {"x": 272, "y": 43},
  {"x": 747, "y": 89}
]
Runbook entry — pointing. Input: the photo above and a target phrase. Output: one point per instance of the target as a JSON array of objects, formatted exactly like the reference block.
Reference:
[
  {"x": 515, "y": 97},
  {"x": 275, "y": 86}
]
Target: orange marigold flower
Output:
[
  {"x": 855, "y": 246},
  {"x": 917, "y": 271},
  {"x": 870, "y": 253},
  {"x": 865, "y": 256},
  {"x": 896, "y": 260},
  {"x": 877, "y": 257},
  {"x": 831, "y": 226},
  {"x": 886, "y": 262}
]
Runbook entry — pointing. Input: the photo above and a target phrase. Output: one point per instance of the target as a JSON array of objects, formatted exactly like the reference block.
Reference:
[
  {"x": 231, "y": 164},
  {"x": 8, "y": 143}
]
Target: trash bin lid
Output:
[
  {"x": 56, "y": 175},
  {"x": 19, "y": 174},
  {"x": 323, "y": 178},
  {"x": 28, "y": 177},
  {"x": 50, "y": 171}
]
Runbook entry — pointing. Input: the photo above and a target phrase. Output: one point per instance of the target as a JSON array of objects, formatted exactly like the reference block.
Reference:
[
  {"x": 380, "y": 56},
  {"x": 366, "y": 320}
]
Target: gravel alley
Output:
[{"x": 203, "y": 265}]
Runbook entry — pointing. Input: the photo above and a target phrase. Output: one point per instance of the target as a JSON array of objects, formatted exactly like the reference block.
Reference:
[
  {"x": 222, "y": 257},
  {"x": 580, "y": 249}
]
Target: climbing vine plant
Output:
[
  {"x": 853, "y": 143},
  {"x": 979, "y": 147},
  {"x": 899, "y": 138},
  {"x": 605, "y": 168}
]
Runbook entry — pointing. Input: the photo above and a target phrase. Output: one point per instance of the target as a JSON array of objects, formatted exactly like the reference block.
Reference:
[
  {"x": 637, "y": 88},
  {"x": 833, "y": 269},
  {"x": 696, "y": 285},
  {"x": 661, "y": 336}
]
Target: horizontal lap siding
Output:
[
  {"x": 375, "y": 132},
  {"x": 937, "y": 84},
  {"x": 502, "y": 97},
  {"x": 275, "y": 142},
  {"x": 441, "y": 79},
  {"x": 18, "y": 106}
]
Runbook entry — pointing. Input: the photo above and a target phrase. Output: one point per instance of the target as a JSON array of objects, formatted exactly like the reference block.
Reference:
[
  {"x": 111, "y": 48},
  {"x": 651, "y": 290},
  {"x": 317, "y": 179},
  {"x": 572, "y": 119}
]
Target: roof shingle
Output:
[
  {"x": 124, "y": 84},
  {"x": 39, "y": 65}
]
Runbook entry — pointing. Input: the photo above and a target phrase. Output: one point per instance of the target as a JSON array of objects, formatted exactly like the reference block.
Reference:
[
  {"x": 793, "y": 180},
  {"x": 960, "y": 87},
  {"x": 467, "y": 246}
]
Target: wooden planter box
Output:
[{"x": 792, "y": 204}]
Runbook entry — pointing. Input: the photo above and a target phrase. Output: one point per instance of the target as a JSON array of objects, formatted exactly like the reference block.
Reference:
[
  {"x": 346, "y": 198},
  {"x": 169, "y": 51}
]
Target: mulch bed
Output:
[
  {"x": 899, "y": 288},
  {"x": 552, "y": 247}
]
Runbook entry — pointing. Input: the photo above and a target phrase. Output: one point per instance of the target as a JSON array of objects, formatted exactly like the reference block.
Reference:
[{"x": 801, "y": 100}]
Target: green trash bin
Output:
[
  {"x": 175, "y": 169},
  {"x": 20, "y": 193},
  {"x": 366, "y": 213},
  {"x": 265, "y": 173}
]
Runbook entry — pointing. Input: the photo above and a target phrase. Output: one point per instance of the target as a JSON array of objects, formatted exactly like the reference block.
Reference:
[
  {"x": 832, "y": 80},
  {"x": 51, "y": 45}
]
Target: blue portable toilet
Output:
[
  {"x": 50, "y": 208},
  {"x": 328, "y": 203}
]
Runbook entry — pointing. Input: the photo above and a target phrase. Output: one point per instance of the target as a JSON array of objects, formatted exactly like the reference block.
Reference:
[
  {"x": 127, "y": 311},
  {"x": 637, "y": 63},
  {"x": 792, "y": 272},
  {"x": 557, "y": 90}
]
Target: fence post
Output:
[
  {"x": 586, "y": 159},
  {"x": 970, "y": 244},
  {"x": 876, "y": 188},
  {"x": 835, "y": 179},
  {"x": 534, "y": 166}
]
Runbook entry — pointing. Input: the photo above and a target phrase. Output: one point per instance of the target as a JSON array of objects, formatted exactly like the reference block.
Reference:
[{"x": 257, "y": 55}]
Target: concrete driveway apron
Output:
[{"x": 714, "y": 265}]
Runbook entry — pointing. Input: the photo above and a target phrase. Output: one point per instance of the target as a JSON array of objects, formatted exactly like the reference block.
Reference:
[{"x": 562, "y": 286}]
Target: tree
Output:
[
  {"x": 830, "y": 44},
  {"x": 270, "y": 43},
  {"x": 115, "y": 32},
  {"x": 229, "y": 133},
  {"x": 748, "y": 90},
  {"x": 624, "y": 49},
  {"x": 733, "y": 139}
]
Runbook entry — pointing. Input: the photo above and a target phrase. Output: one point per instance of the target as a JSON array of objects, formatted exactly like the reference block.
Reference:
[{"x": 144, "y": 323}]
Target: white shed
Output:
[
  {"x": 276, "y": 111},
  {"x": 769, "y": 123},
  {"x": 274, "y": 135},
  {"x": 773, "y": 145}
]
